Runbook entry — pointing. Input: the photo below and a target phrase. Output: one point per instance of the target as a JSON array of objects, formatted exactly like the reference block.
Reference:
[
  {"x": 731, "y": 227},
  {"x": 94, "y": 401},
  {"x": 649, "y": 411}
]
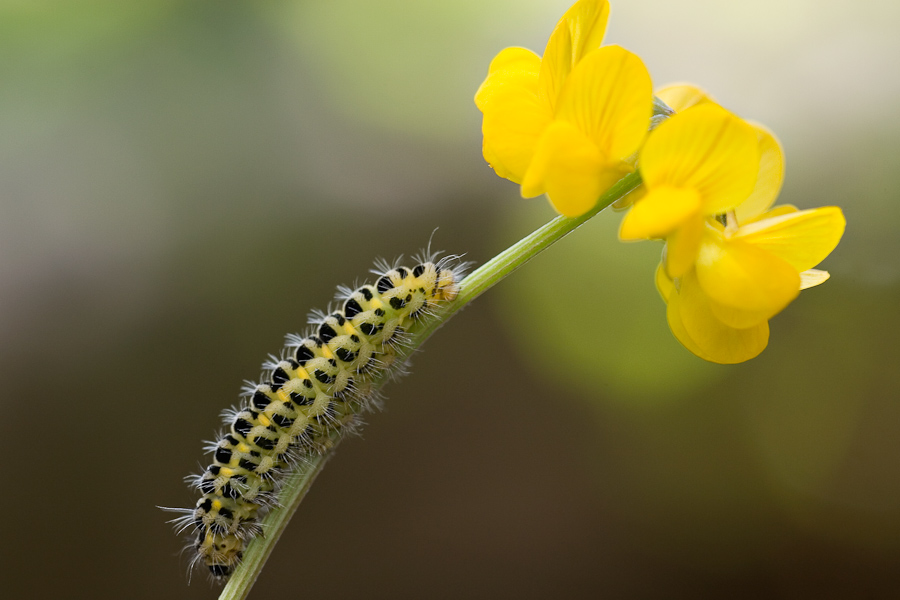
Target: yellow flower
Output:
[
  {"x": 744, "y": 275},
  {"x": 565, "y": 124},
  {"x": 681, "y": 96},
  {"x": 744, "y": 264},
  {"x": 699, "y": 163}
]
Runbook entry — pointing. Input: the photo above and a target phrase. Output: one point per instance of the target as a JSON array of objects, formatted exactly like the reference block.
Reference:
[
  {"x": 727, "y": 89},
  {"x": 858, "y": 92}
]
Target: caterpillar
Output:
[{"x": 318, "y": 388}]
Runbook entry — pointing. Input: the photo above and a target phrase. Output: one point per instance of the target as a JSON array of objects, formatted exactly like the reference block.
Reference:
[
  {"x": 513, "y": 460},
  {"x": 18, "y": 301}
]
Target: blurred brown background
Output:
[{"x": 165, "y": 169}]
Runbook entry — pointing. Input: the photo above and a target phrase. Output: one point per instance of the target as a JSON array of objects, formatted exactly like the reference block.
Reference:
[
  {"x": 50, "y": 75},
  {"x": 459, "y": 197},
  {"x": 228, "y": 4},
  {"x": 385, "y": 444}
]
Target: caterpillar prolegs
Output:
[{"x": 317, "y": 389}]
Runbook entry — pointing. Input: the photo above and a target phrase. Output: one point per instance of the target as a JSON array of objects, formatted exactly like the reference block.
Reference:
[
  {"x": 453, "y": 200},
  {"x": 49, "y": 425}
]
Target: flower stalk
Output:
[{"x": 299, "y": 481}]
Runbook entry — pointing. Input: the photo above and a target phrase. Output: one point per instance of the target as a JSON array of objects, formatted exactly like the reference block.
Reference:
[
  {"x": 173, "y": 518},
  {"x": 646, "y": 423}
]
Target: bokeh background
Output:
[{"x": 181, "y": 182}]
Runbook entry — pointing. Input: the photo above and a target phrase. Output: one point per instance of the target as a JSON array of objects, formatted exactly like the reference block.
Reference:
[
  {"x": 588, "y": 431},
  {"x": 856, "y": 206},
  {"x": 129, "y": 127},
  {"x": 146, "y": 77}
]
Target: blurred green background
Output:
[{"x": 166, "y": 168}]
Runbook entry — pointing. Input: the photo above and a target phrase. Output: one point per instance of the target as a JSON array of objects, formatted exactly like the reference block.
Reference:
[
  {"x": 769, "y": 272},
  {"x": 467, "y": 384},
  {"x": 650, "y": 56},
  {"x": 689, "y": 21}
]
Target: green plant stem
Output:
[
  {"x": 490, "y": 273},
  {"x": 299, "y": 481}
]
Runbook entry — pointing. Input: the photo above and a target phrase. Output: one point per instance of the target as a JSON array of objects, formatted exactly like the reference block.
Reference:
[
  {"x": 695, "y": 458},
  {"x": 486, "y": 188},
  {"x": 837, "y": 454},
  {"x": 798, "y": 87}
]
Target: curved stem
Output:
[
  {"x": 490, "y": 273},
  {"x": 299, "y": 481}
]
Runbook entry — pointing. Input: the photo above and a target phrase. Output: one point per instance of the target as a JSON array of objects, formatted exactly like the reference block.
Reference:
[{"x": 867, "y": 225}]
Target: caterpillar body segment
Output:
[{"x": 319, "y": 387}]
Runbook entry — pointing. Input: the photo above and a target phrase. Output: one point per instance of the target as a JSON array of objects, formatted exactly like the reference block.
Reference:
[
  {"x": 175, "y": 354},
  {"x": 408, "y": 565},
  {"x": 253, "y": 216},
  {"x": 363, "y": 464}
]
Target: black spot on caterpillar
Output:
[{"x": 319, "y": 387}]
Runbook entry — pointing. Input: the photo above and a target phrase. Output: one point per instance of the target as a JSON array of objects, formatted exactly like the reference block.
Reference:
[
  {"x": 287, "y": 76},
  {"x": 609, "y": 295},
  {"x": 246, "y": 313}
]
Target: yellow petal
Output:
[
  {"x": 664, "y": 284},
  {"x": 705, "y": 148},
  {"x": 813, "y": 277},
  {"x": 768, "y": 179},
  {"x": 682, "y": 246},
  {"x": 568, "y": 167},
  {"x": 742, "y": 276},
  {"x": 511, "y": 134},
  {"x": 609, "y": 97},
  {"x": 681, "y": 96},
  {"x": 716, "y": 341},
  {"x": 513, "y": 117},
  {"x": 802, "y": 238},
  {"x": 630, "y": 198},
  {"x": 579, "y": 31},
  {"x": 777, "y": 211},
  {"x": 673, "y": 316},
  {"x": 659, "y": 213},
  {"x": 737, "y": 317},
  {"x": 512, "y": 67}
]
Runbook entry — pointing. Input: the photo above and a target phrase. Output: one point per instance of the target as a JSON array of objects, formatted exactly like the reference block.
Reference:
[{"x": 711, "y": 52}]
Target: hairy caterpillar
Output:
[{"x": 318, "y": 388}]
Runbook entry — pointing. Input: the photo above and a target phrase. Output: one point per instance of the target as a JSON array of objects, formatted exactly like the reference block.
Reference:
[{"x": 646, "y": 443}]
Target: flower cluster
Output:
[{"x": 571, "y": 123}]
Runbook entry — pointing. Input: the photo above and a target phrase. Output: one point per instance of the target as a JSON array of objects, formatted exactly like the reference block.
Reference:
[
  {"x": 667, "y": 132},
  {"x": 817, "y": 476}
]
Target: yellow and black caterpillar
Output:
[{"x": 317, "y": 389}]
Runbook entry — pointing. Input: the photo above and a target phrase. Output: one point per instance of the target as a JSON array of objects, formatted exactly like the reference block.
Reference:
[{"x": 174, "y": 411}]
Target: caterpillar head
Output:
[{"x": 447, "y": 286}]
